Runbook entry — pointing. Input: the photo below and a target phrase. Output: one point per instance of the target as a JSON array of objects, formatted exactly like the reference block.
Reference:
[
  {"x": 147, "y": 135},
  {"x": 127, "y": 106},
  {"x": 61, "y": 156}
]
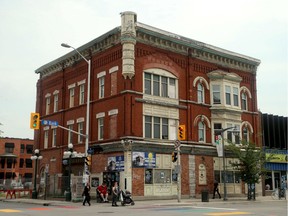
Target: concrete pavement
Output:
[{"x": 172, "y": 202}]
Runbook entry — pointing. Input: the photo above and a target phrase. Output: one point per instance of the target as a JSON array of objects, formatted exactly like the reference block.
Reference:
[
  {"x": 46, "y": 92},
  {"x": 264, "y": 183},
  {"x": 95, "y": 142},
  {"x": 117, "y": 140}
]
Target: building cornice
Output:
[{"x": 158, "y": 38}]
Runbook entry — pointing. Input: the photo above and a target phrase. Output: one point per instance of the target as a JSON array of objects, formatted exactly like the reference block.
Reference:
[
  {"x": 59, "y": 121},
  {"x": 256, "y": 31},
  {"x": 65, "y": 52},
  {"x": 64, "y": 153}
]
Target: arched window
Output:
[
  {"x": 201, "y": 132},
  {"x": 244, "y": 101},
  {"x": 200, "y": 93},
  {"x": 245, "y": 134}
]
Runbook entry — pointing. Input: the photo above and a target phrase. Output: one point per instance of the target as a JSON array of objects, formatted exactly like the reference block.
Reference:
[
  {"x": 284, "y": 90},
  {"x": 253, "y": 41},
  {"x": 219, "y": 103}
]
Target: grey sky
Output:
[{"x": 31, "y": 32}]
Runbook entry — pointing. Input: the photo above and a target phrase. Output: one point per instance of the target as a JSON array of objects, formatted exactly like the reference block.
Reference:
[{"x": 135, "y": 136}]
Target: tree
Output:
[{"x": 250, "y": 164}]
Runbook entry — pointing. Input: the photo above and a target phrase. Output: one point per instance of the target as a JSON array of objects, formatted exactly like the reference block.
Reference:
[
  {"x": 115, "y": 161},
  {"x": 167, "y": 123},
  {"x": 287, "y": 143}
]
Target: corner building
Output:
[{"x": 144, "y": 83}]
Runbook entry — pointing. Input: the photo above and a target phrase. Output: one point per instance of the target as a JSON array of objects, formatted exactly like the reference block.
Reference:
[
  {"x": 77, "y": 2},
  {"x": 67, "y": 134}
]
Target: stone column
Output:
[{"x": 128, "y": 40}]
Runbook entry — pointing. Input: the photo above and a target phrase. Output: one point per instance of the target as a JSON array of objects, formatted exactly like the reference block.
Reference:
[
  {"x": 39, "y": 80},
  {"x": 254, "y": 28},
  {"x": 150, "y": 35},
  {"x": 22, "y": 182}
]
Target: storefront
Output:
[{"x": 277, "y": 169}]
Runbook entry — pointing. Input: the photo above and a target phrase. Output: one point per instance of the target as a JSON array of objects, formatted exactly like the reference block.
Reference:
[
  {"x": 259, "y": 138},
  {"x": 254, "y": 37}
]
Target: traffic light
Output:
[
  {"x": 35, "y": 121},
  {"x": 181, "y": 132},
  {"x": 174, "y": 157},
  {"x": 88, "y": 160}
]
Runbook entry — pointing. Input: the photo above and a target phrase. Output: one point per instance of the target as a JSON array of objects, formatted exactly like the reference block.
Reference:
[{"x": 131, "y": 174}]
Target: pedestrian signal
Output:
[
  {"x": 35, "y": 121},
  {"x": 174, "y": 157},
  {"x": 88, "y": 160}
]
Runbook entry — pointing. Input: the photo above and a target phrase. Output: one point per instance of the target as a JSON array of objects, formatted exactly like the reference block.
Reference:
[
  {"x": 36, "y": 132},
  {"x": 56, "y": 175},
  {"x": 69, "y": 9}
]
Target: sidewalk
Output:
[{"x": 192, "y": 201}]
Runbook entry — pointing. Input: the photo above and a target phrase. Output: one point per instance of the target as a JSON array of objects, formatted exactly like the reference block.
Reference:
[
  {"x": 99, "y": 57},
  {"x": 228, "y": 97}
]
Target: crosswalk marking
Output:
[
  {"x": 9, "y": 210},
  {"x": 227, "y": 213}
]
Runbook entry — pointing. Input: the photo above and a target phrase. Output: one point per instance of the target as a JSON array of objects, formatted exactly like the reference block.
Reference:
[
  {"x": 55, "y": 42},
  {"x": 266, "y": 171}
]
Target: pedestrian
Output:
[
  {"x": 102, "y": 190},
  {"x": 216, "y": 190},
  {"x": 115, "y": 192},
  {"x": 86, "y": 194}
]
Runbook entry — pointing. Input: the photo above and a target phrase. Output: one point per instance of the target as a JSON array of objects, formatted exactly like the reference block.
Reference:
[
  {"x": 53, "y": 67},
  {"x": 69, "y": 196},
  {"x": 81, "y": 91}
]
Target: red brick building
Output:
[
  {"x": 144, "y": 83},
  {"x": 15, "y": 161}
]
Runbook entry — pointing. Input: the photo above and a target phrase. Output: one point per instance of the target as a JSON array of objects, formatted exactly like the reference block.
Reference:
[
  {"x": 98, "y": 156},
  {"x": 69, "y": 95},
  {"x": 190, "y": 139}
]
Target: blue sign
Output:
[
  {"x": 90, "y": 151},
  {"x": 48, "y": 122}
]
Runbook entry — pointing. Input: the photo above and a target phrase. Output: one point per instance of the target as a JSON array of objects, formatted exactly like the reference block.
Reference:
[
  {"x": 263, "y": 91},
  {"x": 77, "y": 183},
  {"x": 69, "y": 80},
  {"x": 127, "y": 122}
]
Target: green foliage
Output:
[{"x": 251, "y": 161}]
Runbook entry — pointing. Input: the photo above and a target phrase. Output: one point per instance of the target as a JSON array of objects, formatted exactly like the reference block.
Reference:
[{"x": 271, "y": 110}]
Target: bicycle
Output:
[{"x": 275, "y": 194}]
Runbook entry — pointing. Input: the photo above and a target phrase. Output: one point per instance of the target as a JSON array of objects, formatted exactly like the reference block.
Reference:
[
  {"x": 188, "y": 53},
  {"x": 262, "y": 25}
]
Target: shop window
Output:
[
  {"x": 162, "y": 176},
  {"x": 148, "y": 176}
]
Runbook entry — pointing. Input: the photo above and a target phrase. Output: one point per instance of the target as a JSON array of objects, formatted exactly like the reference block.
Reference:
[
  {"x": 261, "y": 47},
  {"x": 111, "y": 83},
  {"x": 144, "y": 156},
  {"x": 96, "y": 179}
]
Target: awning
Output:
[{"x": 276, "y": 166}]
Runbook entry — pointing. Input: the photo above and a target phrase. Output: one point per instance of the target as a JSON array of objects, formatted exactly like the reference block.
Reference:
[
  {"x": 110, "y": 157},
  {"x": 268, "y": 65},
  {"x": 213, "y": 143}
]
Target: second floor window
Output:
[
  {"x": 56, "y": 101},
  {"x": 101, "y": 86},
  {"x": 81, "y": 96},
  {"x": 54, "y": 136},
  {"x": 228, "y": 95},
  {"x": 156, "y": 127},
  {"x": 100, "y": 128},
  {"x": 70, "y": 134},
  {"x": 201, "y": 132},
  {"x": 46, "y": 135},
  {"x": 80, "y": 130},
  {"x": 244, "y": 101},
  {"x": 47, "y": 105}
]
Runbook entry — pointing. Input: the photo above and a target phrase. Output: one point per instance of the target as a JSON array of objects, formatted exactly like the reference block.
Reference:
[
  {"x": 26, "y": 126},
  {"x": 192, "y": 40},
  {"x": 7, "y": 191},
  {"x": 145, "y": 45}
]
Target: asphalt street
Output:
[{"x": 263, "y": 206}]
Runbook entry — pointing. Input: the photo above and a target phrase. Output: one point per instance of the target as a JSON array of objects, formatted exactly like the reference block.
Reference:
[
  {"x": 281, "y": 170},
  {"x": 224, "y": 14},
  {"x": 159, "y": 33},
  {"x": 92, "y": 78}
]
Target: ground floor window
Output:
[{"x": 160, "y": 176}]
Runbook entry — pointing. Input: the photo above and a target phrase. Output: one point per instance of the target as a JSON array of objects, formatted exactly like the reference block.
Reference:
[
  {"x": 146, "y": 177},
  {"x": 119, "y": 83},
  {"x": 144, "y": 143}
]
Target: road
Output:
[{"x": 143, "y": 208}]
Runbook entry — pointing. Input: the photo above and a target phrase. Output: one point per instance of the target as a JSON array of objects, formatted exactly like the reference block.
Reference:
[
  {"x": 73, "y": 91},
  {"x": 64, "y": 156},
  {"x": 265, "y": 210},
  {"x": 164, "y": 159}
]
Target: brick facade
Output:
[{"x": 126, "y": 104}]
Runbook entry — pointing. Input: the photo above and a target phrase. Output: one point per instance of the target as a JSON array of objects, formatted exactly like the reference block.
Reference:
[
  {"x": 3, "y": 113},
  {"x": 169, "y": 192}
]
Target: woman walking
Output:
[
  {"x": 115, "y": 192},
  {"x": 86, "y": 194}
]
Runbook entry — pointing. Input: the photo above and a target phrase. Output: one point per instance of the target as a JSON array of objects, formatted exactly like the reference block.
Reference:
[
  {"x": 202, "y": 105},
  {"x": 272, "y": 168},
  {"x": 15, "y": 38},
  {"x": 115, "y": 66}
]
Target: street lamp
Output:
[
  {"x": 69, "y": 153},
  {"x": 221, "y": 132},
  {"x": 35, "y": 157},
  {"x": 88, "y": 102}
]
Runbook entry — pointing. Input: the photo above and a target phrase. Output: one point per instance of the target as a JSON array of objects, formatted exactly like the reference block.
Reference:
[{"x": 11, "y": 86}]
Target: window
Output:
[
  {"x": 70, "y": 134},
  {"x": 200, "y": 93},
  {"x": 81, "y": 96},
  {"x": 54, "y": 136},
  {"x": 80, "y": 130},
  {"x": 231, "y": 135},
  {"x": 101, "y": 86},
  {"x": 56, "y": 102},
  {"x": 47, "y": 105},
  {"x": 9, "y": 148},
  {"x": 46, "y": 135},
  {"x": 22, "y": 149},
  {"x": 201, "y": 132},
  {"x": 29, "y": 149},
  {"x": 100, "y": 128},
  {"x": 156, "y": 127},
  {"x": 71, "y": 97},
  {"x": 245, "y": 134},
  {"x": 28, "y": 162},
  {"x": 235, "y": 96},
  {"x": 216, "y": 94},
  {"x": 228, "y": 95},
  {"x": 21, "y": 165},
  {"x": 159, "y": 85},
  {"x": 244, "y": 101}
]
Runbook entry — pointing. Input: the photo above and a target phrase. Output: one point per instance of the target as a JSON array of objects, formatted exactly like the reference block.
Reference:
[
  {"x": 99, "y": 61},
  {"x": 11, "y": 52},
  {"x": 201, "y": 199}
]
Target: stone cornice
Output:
[
  {"x": 169, "y": 41},
  {"x": 157, "y": 38}
]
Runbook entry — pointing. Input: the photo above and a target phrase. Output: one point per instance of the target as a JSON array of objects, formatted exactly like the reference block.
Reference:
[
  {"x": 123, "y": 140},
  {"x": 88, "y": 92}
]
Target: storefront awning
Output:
[{"x": 276, "y": 166}]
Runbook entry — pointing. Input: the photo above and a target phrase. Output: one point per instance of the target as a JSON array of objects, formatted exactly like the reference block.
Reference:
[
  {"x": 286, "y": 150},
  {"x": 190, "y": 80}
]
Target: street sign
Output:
[
  {"x": 177, "y": 143},
  {"x": 90, "y": 151},
  {"x": 48, "y": 122}
]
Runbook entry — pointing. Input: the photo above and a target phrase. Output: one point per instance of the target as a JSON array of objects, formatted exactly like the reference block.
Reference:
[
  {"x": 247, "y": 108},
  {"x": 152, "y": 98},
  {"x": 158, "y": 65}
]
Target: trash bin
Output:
[{"x": 205, "y": 195}]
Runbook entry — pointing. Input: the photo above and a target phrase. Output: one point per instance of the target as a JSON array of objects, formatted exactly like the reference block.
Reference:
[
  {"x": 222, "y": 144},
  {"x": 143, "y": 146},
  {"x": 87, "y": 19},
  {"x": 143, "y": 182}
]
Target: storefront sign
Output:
[
  {"x": 277, "y": 158},
  {"x": 144, "y": 159}
]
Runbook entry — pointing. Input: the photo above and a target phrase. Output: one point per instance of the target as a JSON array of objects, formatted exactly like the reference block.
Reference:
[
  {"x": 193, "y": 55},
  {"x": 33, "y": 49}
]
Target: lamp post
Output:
[
  {"x": 69, "y": 153},
  {"x": 221, "y": 132},
  {"x": 88, "y": 103},
  {"x": 35, "y": 157}
]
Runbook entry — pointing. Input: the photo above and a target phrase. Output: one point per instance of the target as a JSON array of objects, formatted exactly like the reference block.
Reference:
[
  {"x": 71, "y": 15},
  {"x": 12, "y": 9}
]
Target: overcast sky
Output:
[{"x": 31, "y": 32}]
